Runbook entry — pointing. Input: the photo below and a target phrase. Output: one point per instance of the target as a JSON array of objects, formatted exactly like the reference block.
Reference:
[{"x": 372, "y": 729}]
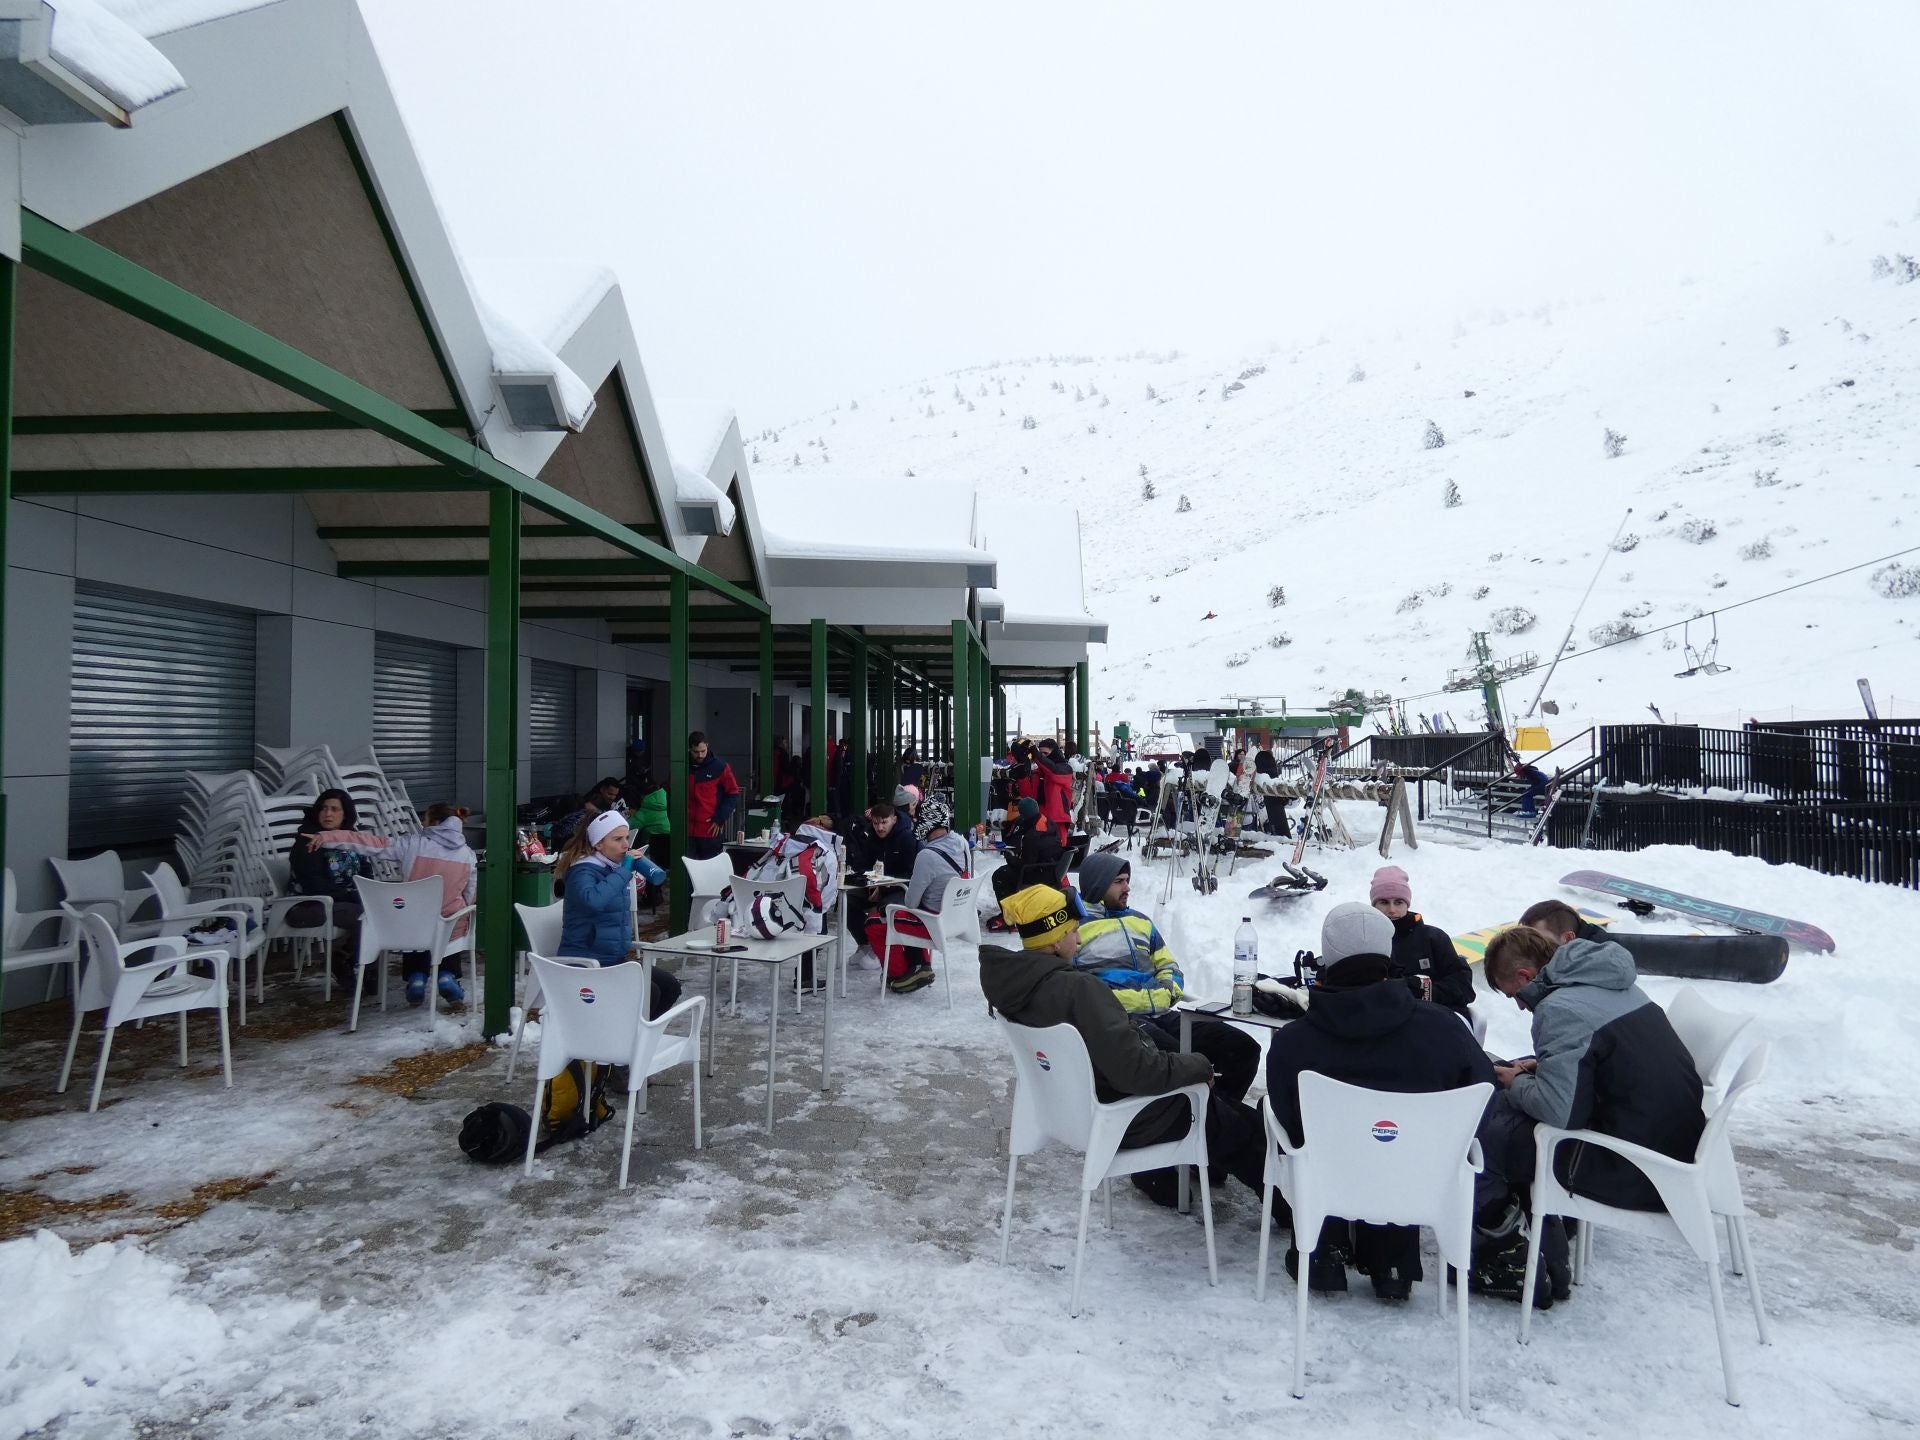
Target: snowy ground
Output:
[{"x": 840, "y": 1279}]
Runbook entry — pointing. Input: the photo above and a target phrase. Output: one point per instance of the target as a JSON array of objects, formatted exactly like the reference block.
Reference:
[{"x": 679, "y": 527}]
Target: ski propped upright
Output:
[{"x": 1796, "y": 932}]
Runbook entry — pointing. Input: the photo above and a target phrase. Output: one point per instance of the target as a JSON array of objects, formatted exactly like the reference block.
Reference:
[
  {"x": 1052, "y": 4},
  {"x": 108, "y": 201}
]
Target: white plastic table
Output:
[
  {"x": 1186, "y": 1011},
  {"x": 875, "y": 884},
  {"x": 773, "y": 954}
]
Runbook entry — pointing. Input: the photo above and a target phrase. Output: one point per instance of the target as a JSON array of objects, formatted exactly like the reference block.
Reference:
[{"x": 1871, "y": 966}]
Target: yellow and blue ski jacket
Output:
[{"x": 1124, "y": 950}]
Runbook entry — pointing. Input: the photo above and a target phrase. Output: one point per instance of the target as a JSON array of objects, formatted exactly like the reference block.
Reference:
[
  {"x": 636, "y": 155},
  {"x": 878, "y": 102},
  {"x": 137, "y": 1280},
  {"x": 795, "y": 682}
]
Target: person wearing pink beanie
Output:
[{"x": 1423, "y": 954}]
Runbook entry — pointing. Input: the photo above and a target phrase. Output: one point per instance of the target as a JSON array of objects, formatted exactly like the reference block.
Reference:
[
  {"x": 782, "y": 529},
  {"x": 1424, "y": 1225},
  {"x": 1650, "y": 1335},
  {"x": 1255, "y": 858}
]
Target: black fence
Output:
[
  {"x": 1825, "y": 765},
  {"x": 1424, "y": 752},
  {"x": 1876, "y": 842}
]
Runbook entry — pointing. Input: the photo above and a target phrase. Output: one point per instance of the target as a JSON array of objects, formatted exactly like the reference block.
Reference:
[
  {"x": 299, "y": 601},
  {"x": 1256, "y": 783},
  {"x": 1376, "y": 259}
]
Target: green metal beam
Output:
[
  {"x": 678, "y": 728},
  {"x": 317, "y": 479},
  {"x": 94, "y": 270},
  {"x": 999, "y": 719},
  {"x": 502, "y": 752},
  {"x": 817, "y": 731},
  {"x": 1083, "y": 707},
  {"x": 434, "y": 568},
  {"x": 964, "y": 792},
  {"x": 763, "y": 696},
  {"x": 9, "y": 294},
  {"x": 860, "y": 691}
]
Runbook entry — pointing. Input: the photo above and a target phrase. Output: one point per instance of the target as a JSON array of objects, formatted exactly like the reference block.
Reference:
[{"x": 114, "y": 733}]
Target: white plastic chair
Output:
[
  {"x": 280, "y": 907},
  {"x": 1718, "y": 1041},
  {"x": 16, "y": 955},
  {"x": 161, "y": 986},
  {"x": 707, "y": 881},
  {"x": 178, "y": 915},
  {"x": 1054, "y": 1105},
  {"x": 946, "y": 929},
  {"x": 540, "y": 927},
  {"x": 742, "y": 891},
  {"x": 100, "y": 883},
  {"x": 598, "y": 1013},
  {"x": 1378, "y": 1156},
  {"x": 1686, "y": 1188},
  {"x": 406, "y": 916}
]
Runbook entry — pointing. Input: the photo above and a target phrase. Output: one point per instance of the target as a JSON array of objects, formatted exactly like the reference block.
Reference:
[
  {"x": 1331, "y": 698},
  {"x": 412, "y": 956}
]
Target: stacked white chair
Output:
[
  {"x": 17, "y": 955},
  {"x": 243, "y": 915},
  {"x": 99, "y": 883}
]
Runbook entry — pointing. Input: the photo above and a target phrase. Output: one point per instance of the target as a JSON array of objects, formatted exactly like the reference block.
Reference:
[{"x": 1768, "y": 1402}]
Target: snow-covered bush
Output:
[
  {"x": 1760, "y": 549},
  {"x": 1613, "y": 442},
  {"x": 1146, "y": 488},
  {"x": 1450, "y": 498},
  {"x": 1356, "y": 375},
  {"x": 1882, "y": 268},
  {"x": 1440, "y": 591},
  {"x": 1627, "y": 541},
  {"x": 1183, "y": 507},
  {"x": 1410, "y": 602},
  {"x": 1435, "y": 438},
  {"x": 1905, "y": 269},
  {"x": 1764, "y": 478},
  {"x": 1237, "y": 659},
  {"x": 1896, "y": 582},
  {"x": 1780, "y": 336},
  {"x": 1152, "y": 394},
  {"x": 1639, "y": 610},
  {"x": 1279, "y": 640},
  {"x": 1613, "y": 632},
  {"x": 1253, "y": 370},
  {"x": 1227, "y": 392},
  {"x": 1276, "y": 596},
  {"x": 1027, "y": 422},
  {"x": 1698, "y": 531},
  {"x": 1482, "y": 592},
  {"x": 1512, "y": 620}
]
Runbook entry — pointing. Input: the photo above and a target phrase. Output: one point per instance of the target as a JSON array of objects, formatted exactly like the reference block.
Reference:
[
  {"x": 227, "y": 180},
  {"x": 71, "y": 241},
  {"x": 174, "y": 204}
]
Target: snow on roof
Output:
[
  {"x": 815, "y": 504},
  {"x": 1039, "y": 563},
  {"x": 788, "y": 547},
  {"x": 516, "y": 352},
  {"x": 549, "y": 298},
  {"x": 692, "y": 487},
  {"x": 694, "y": 428},
  {"x": 110, "y": 55},
  {"x": 162, "y": 17}
]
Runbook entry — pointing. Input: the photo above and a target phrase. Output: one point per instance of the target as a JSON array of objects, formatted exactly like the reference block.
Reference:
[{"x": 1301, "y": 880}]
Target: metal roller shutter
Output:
[
  {"x": 550, "y": 728},
  {"x": 160, "y": 687},
  {"x": 415, "y": 715}
]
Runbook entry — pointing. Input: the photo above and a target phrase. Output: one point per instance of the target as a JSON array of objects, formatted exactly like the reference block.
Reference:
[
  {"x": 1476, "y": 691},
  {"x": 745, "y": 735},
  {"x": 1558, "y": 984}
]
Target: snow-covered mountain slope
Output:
[{"x": 1771, "y": 424}]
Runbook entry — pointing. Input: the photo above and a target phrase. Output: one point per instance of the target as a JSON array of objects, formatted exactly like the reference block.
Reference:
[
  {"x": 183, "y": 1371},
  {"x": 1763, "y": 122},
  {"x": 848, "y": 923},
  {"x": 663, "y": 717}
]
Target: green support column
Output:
[
  {"x": 889, "y": 728},
  {"x": 768, "y": 780},
  {"x": 817, "y": 732},
  {"x": 999, "y": 720},
  {"x": 1084, "y": 707},
  {"x": 965, "y": 790},
  {"x": 679, "y": 642},
  {"x": 1066, "y": 708},
  {"x": 497, "y": 940},
  {"x": 862, "y": 697},
  {"x": 982, "y": 722},
  {"x": 9, "y": 279}
]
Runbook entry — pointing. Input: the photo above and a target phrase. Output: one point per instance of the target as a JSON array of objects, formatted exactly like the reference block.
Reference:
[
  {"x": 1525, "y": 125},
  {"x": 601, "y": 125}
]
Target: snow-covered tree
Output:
[
  {"x": 1613, "y": 443},
  {"x": 1027, "y": 422},
  {"x": 1276, "y": 596},
  {"x": 1451, "y": 497},
  {"x": 1356, "y": 375},
  {"x": 1435, "y": 438},
  {"x": 1146, "y": 488},
  {"x": 1780, "y": 336},
  {"x": 1152, "y": 394},
  {"x": 1183, "y": 507}
]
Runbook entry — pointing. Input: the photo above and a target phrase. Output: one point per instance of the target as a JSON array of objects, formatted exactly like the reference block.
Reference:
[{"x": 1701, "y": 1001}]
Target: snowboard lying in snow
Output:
[
  {"x": 1758, "y": 922},
  {"x": 1292, "y": 881},
  {"x": 1749, "y": 959}
]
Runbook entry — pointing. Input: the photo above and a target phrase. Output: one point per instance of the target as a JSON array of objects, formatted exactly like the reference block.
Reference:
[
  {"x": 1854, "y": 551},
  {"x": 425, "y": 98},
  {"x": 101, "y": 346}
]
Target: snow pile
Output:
[
  {"x": 694, "y": 488},
  {"x": 695, "y": 429},
  {"x": 93, "y": 1331},
  {"x": 111, "y": 55}
]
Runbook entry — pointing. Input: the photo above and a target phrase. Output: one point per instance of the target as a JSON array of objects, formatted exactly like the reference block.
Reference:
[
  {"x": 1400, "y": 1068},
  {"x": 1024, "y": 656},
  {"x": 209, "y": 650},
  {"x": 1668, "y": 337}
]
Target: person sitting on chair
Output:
[
  {"x": 1422, "y": 953},
  {"x": 1028, "y": 977},
  {"x": 1364, "y": 1027},
  {"x": 1033, "y": 847},
  {"x": 597, "y": 918}
]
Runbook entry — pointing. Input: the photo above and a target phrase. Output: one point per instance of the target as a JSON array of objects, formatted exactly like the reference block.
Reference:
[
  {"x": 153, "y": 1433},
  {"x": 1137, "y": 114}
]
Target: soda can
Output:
[{"x": 720, "y": 931}]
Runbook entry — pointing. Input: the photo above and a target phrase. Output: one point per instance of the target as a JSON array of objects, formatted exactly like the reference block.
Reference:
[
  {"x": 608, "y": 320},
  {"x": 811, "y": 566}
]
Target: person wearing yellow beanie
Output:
[{"x": 1043, "y": 919}]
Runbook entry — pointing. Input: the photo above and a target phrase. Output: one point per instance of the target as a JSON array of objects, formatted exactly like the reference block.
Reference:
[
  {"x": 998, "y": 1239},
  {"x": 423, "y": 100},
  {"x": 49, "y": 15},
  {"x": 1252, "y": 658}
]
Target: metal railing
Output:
[{"x": 1831, "y": 764}]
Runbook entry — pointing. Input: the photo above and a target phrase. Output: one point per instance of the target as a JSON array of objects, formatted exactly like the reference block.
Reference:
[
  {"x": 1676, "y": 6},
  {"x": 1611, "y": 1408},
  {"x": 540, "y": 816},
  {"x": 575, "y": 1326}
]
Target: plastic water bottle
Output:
[{"x": 1246, "y": 965}]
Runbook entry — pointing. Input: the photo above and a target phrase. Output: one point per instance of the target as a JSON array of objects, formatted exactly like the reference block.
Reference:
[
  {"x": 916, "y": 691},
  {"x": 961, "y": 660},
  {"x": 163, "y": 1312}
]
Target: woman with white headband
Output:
[{"x": 597, "y": 923}]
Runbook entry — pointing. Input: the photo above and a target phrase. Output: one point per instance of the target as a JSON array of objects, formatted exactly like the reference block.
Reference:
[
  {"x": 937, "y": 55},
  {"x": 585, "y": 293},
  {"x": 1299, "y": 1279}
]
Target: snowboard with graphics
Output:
[{"x": 1796, "y": 932}]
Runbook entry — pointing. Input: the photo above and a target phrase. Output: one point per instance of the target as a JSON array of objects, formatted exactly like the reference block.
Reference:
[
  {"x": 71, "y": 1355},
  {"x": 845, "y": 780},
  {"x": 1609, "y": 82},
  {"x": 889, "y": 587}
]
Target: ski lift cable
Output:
[{"x": 1721, "y": 610}]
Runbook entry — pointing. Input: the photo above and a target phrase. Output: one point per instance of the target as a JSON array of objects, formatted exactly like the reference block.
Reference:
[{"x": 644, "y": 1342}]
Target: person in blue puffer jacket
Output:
[{"x": 597, "y": 923}]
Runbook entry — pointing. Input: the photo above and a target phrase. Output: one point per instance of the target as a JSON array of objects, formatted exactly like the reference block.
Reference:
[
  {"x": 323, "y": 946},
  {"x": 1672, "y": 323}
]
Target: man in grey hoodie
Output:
[{"x": 942, "y": 856}]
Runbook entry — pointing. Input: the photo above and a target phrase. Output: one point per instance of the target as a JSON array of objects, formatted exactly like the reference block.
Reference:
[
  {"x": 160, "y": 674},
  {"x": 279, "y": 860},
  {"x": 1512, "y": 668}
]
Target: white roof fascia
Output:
[
  {"x": 254, "y": 77},
  {"x": 845, "y": 604}
]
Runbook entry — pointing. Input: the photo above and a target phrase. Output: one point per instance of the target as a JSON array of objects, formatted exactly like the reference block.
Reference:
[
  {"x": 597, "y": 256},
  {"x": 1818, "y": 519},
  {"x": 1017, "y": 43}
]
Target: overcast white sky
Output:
[{"x": 804, "y": 201}]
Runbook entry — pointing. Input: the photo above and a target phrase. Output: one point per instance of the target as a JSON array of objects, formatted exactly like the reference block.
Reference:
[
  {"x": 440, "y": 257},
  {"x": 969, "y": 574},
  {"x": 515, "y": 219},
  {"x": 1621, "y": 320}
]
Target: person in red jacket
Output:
[
  {"x": 1056, "y": 783},
  {"x": 712, "y": 793}
]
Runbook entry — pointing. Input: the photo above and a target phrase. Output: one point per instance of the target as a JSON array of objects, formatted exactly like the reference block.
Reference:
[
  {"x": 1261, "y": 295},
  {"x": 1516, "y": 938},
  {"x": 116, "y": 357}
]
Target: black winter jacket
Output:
[
  {"x": 1033, "y": 987},
  {"x": 1377, "y": 1036},
  {"x": 1423, "y": 949},
  {"x": 894, "y": 854},
  {"x": 1607, "y": 1059}
]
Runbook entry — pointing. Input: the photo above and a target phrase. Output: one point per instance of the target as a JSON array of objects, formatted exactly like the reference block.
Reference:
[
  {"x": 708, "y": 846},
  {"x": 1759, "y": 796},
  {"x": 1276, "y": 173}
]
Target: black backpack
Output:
[{"x": 576, "y": 1105}]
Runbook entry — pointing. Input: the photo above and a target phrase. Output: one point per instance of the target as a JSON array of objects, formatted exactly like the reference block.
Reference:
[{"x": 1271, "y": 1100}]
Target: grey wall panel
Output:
[
  {"x": 113, "y": 554},
  {"x": 40, "y": 537},
  {"x": 327, "y": 597},
  {"x": 39, "y": 672},
  {"x": 160, "y": 687},
  {"x": 257, "y": 525}
]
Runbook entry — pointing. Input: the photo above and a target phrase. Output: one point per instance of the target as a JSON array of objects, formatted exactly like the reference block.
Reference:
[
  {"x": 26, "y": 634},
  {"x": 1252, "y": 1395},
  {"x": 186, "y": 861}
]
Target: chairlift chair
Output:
[{"x": 1702, "y": 661}]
